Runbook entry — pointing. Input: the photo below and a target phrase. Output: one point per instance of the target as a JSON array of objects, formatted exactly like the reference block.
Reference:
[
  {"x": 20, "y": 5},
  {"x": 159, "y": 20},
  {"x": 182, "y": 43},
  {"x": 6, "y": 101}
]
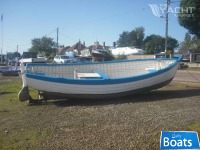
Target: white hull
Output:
[
  {"x": 99, "y": 89},
  {"x": 132, "y": 79}
]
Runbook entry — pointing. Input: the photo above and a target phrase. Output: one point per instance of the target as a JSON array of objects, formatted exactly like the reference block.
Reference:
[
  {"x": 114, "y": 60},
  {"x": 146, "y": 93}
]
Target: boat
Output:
[
  {"x": 126, "y": 51},
  {"x": 9, "y": 71},
  {"x": 97, "y": 55},
  {"x": 96, "y": 80}
]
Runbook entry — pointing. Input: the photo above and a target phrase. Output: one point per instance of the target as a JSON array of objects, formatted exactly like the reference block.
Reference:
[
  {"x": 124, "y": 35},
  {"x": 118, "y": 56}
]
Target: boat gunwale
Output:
[
  {"x": 105, "y": 62},
  {"x": 103, "y": 81}
]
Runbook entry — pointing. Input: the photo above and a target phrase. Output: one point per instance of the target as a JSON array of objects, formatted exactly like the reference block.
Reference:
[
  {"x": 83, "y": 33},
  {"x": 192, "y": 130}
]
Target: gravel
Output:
[{"x": 133, "y": 122}]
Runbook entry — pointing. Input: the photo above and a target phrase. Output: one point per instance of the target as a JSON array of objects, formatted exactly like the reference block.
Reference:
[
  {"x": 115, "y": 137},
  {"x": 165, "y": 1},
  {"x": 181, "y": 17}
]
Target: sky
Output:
[{"x": 84, "y": 20}]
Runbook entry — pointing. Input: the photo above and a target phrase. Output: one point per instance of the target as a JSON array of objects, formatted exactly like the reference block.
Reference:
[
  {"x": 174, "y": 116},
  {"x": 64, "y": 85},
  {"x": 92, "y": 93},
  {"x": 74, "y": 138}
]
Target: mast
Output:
[{"x": 2, "y": 40}]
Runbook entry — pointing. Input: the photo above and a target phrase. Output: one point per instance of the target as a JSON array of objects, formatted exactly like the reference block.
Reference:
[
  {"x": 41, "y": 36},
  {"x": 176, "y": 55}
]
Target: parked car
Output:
[
  {"x": 42, "y": 57},
  {"x": 160, "y": 55},
  {"x": 61, "y": 59},
  {"x": 78, "y": 60}
]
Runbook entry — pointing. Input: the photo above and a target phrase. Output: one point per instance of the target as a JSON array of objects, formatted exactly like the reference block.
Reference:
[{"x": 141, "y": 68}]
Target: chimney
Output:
[
  {"x": 104, "y": 44},
  {"x": 79, "y": 45},
  {"x": 114, "y": 44},
  {"x": 96, "y": 43}
]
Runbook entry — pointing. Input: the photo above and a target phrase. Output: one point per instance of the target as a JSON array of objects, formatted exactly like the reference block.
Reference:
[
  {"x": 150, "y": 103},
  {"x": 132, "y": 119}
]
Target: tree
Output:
[
  {"x": 12, "y": 56},
  {"x": 16, "y": 54},
  {"x": 124, "y": 39},
  {"x": 189, "y": 16},
  {"x": 188, "y": 36},
  {"x": 155, "y": 43},
  {"x": 108, "y": 56},
  {"x": 133, "y": 38},
  {"x": 44, "y": 44},
  {"x": 185, "y": 45},
  {"x": 172, "y": 43},
  {"x": 137, "y": 37},
  {"x": 191, "y": 43}
]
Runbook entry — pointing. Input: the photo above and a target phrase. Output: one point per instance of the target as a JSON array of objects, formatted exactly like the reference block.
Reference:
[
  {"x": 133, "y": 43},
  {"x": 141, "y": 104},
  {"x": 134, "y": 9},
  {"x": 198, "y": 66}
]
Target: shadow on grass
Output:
[
  {"x": 3, "y": 93},
  {"x": 145, "y": 97}
]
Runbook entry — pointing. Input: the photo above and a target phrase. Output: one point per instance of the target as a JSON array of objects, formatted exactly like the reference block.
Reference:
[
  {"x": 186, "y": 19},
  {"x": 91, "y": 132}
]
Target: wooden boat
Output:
[
  {"x": 97, "y": 55},
  {"x": 97, "y": 80}
]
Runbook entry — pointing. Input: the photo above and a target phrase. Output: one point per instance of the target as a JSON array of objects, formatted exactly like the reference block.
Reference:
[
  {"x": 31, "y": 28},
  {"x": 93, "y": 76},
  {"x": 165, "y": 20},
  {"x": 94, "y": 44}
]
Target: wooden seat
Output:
[{"x": 88, "y": 75}]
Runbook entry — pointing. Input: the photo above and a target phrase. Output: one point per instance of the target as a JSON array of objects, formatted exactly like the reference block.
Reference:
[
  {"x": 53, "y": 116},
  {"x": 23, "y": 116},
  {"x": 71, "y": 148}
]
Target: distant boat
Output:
[
  {"x": 97, "y": 55},
  {"x": 9, "y": 71},
  {"x": 126, "y": 51},
  {"x": 97, "y": 80}
]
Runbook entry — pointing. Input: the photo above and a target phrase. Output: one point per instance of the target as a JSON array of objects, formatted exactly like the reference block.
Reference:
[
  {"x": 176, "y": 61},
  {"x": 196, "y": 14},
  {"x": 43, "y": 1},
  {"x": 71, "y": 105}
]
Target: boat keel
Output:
[{"x": 23, "y": 94}]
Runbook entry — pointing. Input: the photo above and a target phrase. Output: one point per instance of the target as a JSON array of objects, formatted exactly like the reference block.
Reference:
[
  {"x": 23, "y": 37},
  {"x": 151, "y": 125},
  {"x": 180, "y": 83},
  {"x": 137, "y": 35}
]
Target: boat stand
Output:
[{"x": 40, "y": 100}]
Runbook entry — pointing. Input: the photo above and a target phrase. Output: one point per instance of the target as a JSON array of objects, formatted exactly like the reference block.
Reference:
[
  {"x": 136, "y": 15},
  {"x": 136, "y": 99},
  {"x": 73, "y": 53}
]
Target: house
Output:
[
  {"x": 3, "y": 57},
  {"x": 77, "y": 47},
  {"x": 62, "y": 50},
  {"x": 95, "y": 46}
]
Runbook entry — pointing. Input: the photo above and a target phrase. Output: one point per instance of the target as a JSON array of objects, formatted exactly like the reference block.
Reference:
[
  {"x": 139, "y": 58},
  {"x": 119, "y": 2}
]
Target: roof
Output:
[
  {"x": 94, "y": 47},
  {"x": 78, "y": 46},
  {"x": 63, "y": 50}
]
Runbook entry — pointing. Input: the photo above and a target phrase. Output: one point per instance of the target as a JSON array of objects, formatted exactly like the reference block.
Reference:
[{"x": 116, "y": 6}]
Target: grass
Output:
[
  {"x": 193, "y": 68},
  {"x": 13, "y": 134},
  {"x": 185, "y": 67},
  {"x": 195, "y": 127},
  {"x": 125, "y": 123}
]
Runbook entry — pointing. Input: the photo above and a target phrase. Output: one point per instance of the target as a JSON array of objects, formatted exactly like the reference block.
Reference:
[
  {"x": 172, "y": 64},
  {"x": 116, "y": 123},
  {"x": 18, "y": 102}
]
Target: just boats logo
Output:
[{"x": 179, "y": 140}]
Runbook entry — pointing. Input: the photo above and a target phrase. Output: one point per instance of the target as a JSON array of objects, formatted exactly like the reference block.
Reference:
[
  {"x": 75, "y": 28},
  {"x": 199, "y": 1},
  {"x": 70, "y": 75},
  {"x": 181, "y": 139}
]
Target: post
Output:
[
  {"x": 57, "y": 36},
  {"x": 166, "y": 28},
  {"x": 75, "y": 73},
  {"x": 1, "y": 56},
  {"x": 2, "y": 40}
]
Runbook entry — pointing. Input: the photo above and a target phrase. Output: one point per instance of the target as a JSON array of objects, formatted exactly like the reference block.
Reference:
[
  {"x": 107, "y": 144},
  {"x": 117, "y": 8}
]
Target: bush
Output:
[
  {"x": 183, "y": 66},
  {"x": 121, "y": 57},
  {"x": 108, "y": 56}
]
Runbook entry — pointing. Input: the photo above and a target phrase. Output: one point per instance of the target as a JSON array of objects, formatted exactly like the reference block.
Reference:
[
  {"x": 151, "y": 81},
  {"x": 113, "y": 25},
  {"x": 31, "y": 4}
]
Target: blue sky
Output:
[{"x": 87, "y": 20}]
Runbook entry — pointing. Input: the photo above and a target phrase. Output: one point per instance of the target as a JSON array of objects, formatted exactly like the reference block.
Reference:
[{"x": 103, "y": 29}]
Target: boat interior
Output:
[{"x": 110, "y": 70}]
